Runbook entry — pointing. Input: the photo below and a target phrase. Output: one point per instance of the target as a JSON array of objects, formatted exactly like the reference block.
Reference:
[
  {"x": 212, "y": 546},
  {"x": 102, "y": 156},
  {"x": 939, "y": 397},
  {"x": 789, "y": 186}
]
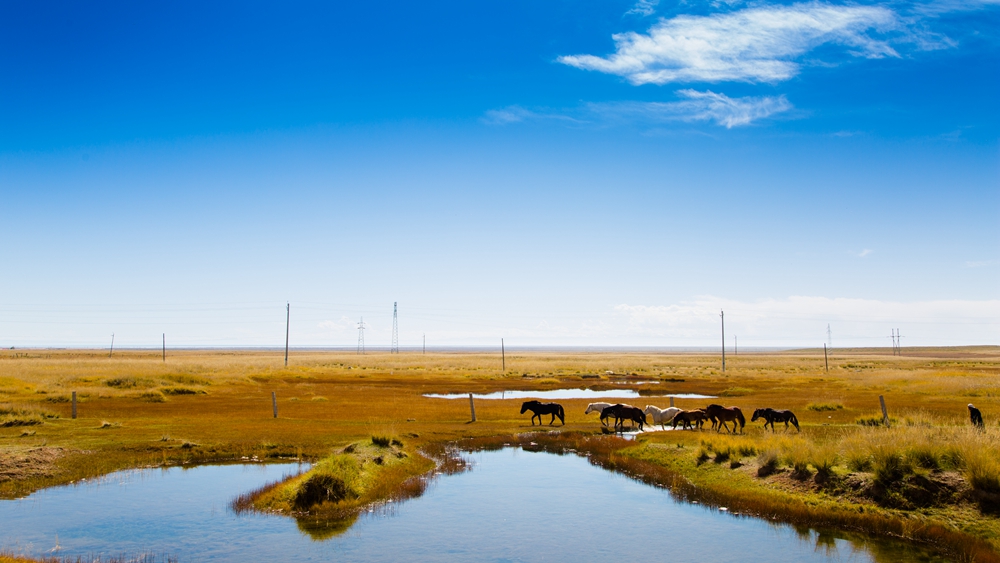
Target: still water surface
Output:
[{"x": 513, "y": 506}]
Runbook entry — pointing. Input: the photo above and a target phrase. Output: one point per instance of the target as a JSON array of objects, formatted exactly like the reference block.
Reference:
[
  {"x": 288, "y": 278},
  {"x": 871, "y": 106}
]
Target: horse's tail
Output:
[
  {"x": 795, "y": 421},
  {"x": 561, "y": 414},
  {"x": 743, "y": 419}
]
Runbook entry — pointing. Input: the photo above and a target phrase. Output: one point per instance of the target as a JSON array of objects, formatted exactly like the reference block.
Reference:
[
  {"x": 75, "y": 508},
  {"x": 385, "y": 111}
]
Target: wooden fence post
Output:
[
  {"x": 472, "y": 407},
  {"x": 274, "y": 403},
  {"x": 671, "y": 402},
  {"x": 885, "y": 414},
  {"x": 74, "y": 404}
]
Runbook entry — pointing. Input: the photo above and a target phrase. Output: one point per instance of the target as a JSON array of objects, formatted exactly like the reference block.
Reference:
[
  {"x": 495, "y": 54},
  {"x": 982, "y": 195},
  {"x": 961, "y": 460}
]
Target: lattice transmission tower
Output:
[
  {"x": 829, "y": 336},
  {"x": 361, "y": 336},
  {"x": 394, "y": 349}
]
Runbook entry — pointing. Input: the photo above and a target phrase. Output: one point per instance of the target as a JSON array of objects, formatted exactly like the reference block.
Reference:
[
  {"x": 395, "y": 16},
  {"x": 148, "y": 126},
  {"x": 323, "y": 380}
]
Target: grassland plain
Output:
[{"x": 928, "y": 477}]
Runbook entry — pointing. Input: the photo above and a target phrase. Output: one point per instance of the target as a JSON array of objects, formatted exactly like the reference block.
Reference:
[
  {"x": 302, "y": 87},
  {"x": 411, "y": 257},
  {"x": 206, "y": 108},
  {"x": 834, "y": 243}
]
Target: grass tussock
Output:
[
  {"x": 825, "y": 406},
  {"x": 182, "y": 391},
  {"x": 23, "y": 415},
  {"x": 152, "y": 397}
]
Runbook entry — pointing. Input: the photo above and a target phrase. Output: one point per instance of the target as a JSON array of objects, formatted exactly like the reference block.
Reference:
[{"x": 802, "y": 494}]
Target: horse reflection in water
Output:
[{"x": 539, "y": 408}]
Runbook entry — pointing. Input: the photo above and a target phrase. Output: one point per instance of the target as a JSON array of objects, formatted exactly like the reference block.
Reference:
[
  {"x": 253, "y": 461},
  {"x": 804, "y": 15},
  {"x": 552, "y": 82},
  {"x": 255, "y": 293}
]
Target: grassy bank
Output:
[{"x": 327, "y": 499}]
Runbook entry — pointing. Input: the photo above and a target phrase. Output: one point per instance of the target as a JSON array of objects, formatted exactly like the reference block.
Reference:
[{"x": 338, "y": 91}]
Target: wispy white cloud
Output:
[
  {"x": 517, "y": 114},
  {"x": 759, "y": 44},
  {"x": 694, "y": 106},
  {"x": 697, "y": 106},
  {"x": 865, "y": 252},
  {"x": 979, "y": 263},
  {"x": 644, "y": 8}
]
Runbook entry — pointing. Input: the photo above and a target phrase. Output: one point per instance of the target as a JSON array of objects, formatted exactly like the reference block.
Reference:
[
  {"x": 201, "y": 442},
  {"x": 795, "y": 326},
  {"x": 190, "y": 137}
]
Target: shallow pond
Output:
[
  {"x": 566, "y": 394},
  {"x": 513, "y": 505}
]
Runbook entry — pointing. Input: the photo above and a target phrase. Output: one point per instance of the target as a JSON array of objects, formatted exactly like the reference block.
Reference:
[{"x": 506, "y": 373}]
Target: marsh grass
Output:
[
  {"x": 926, "y": 392},
  {"x": 24, "y": 415}
]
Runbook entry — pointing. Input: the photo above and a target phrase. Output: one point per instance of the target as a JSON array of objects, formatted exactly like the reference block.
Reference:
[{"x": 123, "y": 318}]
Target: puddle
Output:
[
  {"x": 513, "y": 505},
  {"x": 566, "y": 394}
]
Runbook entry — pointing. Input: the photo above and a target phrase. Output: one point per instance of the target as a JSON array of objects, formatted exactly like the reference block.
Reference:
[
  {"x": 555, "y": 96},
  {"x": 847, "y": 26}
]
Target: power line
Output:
[{"x": 394, "y": 348}]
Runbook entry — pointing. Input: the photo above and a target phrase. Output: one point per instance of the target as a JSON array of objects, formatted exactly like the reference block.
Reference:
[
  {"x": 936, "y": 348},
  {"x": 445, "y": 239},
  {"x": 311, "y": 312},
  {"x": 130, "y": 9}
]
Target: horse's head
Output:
[
  {"x": 757, "y": 413},
  {"x": 525, "y": 405},
  {"x": 650, "y": 409}
]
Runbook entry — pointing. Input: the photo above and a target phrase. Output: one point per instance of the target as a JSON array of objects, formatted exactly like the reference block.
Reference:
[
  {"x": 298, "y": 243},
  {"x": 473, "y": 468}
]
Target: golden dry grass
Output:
[{"x": 135, "y": 410}]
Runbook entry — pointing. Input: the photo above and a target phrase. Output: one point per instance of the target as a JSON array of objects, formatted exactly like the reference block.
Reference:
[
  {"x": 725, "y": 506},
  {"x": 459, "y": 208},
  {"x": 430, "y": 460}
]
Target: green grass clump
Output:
[
  {"x": 152, "y": 397},
  {"x": 736, "y": 392},
  {"x": 824, "y": 407},
  {"x": 182, "y": 391},
  {"x": 982, "y": 470},
  {"x": 122, "y": 382},
  {"x": 381, "y": 441},
  {"x": 11, "y": 416}
]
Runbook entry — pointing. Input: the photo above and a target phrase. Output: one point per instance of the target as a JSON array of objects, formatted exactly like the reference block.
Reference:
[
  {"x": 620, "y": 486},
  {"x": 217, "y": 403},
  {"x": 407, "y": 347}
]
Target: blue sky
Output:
[{"x": 552, "y": 173}]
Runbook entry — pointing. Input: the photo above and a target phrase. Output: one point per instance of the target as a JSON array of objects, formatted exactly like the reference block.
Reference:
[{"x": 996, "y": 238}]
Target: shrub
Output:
[
  {"x": 318, "y": 489},
  {"x": 381, "y": 441}
]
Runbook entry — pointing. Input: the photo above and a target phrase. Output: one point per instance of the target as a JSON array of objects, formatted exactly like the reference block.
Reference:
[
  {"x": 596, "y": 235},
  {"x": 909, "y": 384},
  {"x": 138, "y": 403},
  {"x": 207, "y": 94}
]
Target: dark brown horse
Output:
[
  {"x": 721, "y": 415},
  {"x": 690, "y": 419},
  {"x": 624, "y": 412},
  {"x": 771, "y": 416},
  {"x": 539, "y": 408}
]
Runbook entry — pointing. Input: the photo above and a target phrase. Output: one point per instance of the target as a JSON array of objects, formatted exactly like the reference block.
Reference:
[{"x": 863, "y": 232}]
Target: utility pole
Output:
[
  {"x": 826, "y": 360},
  {"x": 722, "y": 314},
  {"x": 288, "y": 318},
  {"x": 394, "y": 348},
  {"x": 425, "y": 343},
  {"x": 164, "y": 347},
  {"x": 361, "y": 336},
  {"x": 503, "y": 357},
  {"x": 736, "y": 345},
  {"x": 112, "y": 350}
]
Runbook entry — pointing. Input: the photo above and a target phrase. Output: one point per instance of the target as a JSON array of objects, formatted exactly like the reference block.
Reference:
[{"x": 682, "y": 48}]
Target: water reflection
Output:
[{"x": 514, "y": 505}]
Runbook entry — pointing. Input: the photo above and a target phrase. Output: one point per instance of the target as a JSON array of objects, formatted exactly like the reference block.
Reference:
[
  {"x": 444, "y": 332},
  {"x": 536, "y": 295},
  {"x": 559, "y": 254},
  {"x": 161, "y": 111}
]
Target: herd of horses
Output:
[{"x": 719, "y": 416}]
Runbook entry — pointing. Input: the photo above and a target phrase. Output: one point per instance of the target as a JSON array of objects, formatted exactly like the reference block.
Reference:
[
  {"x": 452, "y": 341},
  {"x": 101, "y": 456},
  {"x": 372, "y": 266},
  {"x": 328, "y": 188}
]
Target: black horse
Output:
[
  {"x": 771, "y": 416},
  {"x": 624, "y": 412},
  {"x": 976, "y": 417},
  {"x": 539, "y": 408}
]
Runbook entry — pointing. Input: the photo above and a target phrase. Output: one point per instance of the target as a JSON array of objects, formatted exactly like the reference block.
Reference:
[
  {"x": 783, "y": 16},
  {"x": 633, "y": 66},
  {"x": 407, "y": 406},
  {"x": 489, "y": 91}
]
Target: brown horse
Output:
[
  {"x": 690, "y": 419},
  {"x": 726, "y": 414}
]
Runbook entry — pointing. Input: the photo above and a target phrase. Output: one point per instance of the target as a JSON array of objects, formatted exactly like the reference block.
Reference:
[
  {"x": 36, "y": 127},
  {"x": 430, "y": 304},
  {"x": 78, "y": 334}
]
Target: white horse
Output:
[
  {"x": 661, "y": 416},
  {"x": 598, "y": 407}
]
